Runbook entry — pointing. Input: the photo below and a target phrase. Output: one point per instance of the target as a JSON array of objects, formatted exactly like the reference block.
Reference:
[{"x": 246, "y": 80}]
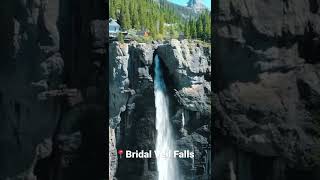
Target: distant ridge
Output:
[
  {"x": 193, "y": 8},
  {"x": 196, "y": 5}
]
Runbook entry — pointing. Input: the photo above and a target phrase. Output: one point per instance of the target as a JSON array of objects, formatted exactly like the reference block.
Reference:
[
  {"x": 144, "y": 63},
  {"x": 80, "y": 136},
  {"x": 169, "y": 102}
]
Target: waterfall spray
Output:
[{"x": 167, "y": 166}]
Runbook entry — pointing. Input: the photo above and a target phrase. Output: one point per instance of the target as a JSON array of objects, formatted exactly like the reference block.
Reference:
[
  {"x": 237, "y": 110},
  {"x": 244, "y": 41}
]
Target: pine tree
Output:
[
  {"x": 186, "y": 30},
  {"x": 199, "y": 28},
  {"x": 171, "y": 31},
  {"x": 125, "y": 16},
  {"x": 193, "y": 29},
  {"x": 144, "y": 15},
  {"x": 207, "y": 25},
  {"x": 122, "y": 15},
  {"x": 161, "y": 25},
  {"x": 112, "y": 9},
  {"x": 134, "y": 15}
]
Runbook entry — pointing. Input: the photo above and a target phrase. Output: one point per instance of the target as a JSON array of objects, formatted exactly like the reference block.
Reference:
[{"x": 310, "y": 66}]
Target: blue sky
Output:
[{"x": 184, "y": 2}]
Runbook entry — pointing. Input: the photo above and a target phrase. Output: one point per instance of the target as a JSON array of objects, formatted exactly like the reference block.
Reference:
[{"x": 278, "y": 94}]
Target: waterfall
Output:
[
  {"x": 183, "y": 130},
  {"x": 167, "y": 166},
  {"x": 183, "y": 121}
]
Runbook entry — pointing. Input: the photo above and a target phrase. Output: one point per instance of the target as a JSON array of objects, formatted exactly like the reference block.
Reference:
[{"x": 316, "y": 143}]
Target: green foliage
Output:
[
  {"x": 161, "y": 25},
  {"x": 174, "y": 34},
  {"x": 186, "y": 30},
  {"x": 142, "y": 14},
  {"x": 150, "y": 16},
  {"x": 125, "y": 16},
  {"x": 121, "y": 38},
  {"x": 158, "y": 37},
  {"x": 147, "y": 39},
  {"x": 199, "y": 28},
  {"x": 193, "y": 29},
  {"x": 112, "y": 11},
  {"x": 207, "y": 26},
  {"x": 134, "y": 16}
]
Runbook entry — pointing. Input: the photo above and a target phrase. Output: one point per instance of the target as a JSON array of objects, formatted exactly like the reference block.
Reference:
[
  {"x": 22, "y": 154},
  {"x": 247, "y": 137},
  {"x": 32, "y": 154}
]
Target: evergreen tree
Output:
[
  {"x": 171, "y": 31},
  {"x": 207, "y": 26},
  {"x": 152, "y": 16},
  {"x": 122, "y": 17},
  {"x": 161, "y": 25},
  {"x": 199, "y": 28},
  {"x": 125, "y": 16},
  {"x": 187, "y": 30},
  {"x": 128, "y": 16},
  {"x": 193, "y": 29},
  {"x": 112, "y": 10},
  {"x": 134, "y": 15}
]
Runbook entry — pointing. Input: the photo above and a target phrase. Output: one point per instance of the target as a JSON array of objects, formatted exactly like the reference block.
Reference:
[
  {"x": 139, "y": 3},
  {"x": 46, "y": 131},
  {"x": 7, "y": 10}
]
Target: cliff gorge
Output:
[
  {"x": 267, "y": 89},
  {"x": 132, "y": 107}
]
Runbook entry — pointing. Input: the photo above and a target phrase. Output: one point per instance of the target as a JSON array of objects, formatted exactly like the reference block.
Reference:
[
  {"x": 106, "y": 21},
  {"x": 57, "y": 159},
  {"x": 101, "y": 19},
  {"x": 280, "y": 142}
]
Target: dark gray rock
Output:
[
  {"x": 99, "y": 33},
  {"x": 188, "y": 65},
  {"x": 38, "y": 54},
  {"x": 267, "y": 87},
  {"x": 33, "y": 57}
]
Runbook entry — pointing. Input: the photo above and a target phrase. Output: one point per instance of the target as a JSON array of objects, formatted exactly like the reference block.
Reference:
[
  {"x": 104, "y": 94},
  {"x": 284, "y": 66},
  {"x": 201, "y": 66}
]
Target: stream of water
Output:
[{"x": 166, "y": 165}]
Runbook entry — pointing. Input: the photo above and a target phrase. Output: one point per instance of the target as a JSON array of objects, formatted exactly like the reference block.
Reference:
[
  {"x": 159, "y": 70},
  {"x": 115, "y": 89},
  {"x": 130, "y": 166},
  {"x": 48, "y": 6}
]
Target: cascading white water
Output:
[
  {"x": 167, "y": 166},
  {"x": 183, "y": 121}
]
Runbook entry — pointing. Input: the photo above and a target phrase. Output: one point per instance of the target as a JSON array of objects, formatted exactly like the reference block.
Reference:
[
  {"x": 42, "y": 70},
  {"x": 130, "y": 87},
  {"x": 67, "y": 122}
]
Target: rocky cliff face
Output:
[
  {"x": 196, "y": 5},
  {"x": 267, "y": 89},
  {"x": 46, "y": 46},
  {"x": 132, "y": 108}
]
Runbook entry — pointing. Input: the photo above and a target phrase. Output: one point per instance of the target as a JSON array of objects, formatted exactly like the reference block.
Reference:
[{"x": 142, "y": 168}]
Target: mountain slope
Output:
[
  {"x": 196, "y": 5},
  {"x": 193, "y": 8}
]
